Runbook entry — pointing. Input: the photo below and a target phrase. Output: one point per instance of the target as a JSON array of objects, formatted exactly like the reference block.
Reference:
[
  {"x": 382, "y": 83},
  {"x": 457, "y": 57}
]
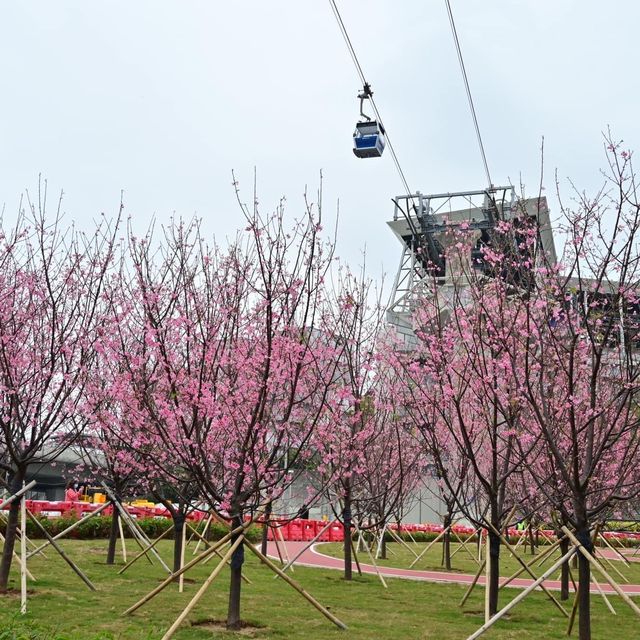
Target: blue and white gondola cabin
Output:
[{"x": 368, "y": 139}]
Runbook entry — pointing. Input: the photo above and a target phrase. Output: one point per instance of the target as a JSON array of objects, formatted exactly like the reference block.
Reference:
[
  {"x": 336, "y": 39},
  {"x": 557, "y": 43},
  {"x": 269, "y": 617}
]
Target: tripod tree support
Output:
[
  {"x": 201, "y": 558},
  {"x": 616, "y": 587},
  {"x": 429, "y": 546},
  {"x": 522, "y": 595},
  {"x": 526, "y": 568},
  {"x": 202, "y": 589},
  {"x": 144, "y": 551},
  {"x": 473, "y": 583},
  {"x": 298, "y": 588},
  {"x": 207, "y": 544},
  {"x": 70, "y": 528},
  {"x": 64, "y": 556}
]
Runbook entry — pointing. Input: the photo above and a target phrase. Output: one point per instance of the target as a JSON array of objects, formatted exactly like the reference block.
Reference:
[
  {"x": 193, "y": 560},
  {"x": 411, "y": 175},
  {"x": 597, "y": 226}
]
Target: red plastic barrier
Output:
[
  {"x": 310, "y": 529},
  {"x": 336, "y": 533},
  {"x": 295, "y": 531}
]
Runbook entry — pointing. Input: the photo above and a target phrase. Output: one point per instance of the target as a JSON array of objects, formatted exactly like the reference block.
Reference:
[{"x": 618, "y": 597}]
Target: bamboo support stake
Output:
[
  {"x": 616, "y": 551},
  {"x": 380, "y": 541},
  {"x": 19, "y": 561},
  {"x": 574, "y": 610},
  {"x": 521, "y": 539},
  {"x": 429, "y": 546},
  {"x": 201, "y": 591},
  {"x": 182, "y": 546},
  {"x": 545, "y": 535},
  {"x": 298, "y": 588},
  {"x": 123, "y": 543},
  {"x": 64, "y": 556},
  {"x": 398, "y": 539},
  {"x": 373, "y": 562},
  {"x": 204, "y": 534},
  {"x": 70, "y": 528},
  {"x": 467, "y": 593},
  {"x": 616, "y": 587},
  {"x": 143, "y": 552},
  {"x": 539, "y": 559},
  {"x": 140, "y": 539},
  {"x": 284, "y": 546},
  {"x": 355, "y": 556},
  {"x": 412, "y": 538},
  {"x": 521, "y": 596},
  {"x": 613, "y": 566},
  {"x": 195, "y": 534},
  {"x": 30, "y": 543},
  {"x": 479, "y": 556},
  {"x": 527, "y": 569},
  {"x": 16, "y": 495},
  {"x": 137, "y": 535},
  {"x": 23, "y": 555},
  {"x": 464, "y": 545},
  {"x": 603, "y": 594},
  {"x": 203, "y": 556}
]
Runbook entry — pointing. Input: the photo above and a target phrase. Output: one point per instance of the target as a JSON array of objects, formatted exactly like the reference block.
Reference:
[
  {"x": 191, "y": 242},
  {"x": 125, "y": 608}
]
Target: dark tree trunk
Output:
[
  {"x": 446, "y": 543},
  {"x": 494, "y": 573},
  {"x": 265, "y": 528},
  {"x": 235, "y": 584},
  {"x": 346, "y": 527},
  {"x": 113, "y": 536},
  {"x": 383, "y": 545},
  {"x": 178, "y": 528},
  {"x": 564, "y": 576},
  {"x": 532, "y": 541},
  {"x": 584, "y": 584},
  {"x": 11, "y": 530}
]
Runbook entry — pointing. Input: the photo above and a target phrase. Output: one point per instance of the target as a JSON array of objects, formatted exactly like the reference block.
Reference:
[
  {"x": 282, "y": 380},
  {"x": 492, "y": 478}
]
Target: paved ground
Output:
[{"x": 314, "y": 557}]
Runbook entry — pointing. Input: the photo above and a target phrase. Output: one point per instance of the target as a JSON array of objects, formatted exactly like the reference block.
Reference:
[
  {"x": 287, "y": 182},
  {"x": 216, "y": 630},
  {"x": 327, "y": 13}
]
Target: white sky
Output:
[{"x": 163, "y": 99}]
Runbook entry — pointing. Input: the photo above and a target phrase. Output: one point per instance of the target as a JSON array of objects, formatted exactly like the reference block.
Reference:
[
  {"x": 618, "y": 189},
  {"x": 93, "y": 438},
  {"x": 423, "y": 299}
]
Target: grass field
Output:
[{"x": 62, "y": 608}]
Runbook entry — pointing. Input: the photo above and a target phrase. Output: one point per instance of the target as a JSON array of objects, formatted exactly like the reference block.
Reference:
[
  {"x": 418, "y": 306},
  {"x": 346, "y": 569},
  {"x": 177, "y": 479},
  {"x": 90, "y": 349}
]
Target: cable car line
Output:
[
  {"x": 468, "y": 90},
  {"x": 366, "y": 89}
]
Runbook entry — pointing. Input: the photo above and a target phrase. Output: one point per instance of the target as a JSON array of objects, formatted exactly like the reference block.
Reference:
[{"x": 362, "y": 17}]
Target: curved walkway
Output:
[{"x": 313, "y": 558}]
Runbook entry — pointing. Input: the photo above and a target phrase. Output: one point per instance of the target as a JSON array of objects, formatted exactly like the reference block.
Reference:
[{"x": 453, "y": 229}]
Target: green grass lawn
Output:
[
  {"x": 462, "y": 562},
  {"x": 62, "y": 608}
]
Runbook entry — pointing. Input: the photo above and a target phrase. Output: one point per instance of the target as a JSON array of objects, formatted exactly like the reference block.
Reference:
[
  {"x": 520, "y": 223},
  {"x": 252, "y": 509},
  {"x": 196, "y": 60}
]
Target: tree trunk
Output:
[
  {"x": 235, "y": 584},
  {"x": 10, "y": 532},
  {"x": 178, "y": 527},
  {"x": 383, "y": 545},
  {"x": 265, "y": 528},
  {"x": 564, "y": 576},
  {"x": 532, "y": 541},
  {"x": 346, "y": 527},
  {"x": 113, "y": 536},
  {"x": 494, "y": 574},
  {"x": 584, "y": 584},
  {"x": 446, "y": 543}
]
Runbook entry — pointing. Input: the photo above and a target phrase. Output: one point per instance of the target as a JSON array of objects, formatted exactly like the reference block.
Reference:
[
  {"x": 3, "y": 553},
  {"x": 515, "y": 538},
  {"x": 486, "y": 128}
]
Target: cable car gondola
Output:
[{"x": 368, "y": 138}]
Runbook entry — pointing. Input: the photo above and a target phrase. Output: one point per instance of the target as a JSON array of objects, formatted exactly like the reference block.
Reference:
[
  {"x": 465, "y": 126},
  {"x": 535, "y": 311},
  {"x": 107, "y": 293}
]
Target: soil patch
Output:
[{"x": 246, "y": 628}]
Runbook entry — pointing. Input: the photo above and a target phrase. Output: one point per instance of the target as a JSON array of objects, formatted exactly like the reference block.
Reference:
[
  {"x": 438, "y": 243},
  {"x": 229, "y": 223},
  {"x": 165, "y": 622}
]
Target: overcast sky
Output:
[{"x": 164, "y": 99}]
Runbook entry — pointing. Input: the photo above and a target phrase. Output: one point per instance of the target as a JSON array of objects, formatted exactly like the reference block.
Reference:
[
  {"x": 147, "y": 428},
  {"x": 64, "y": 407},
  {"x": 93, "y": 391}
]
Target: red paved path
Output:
[{"x": 313, "y": 558}]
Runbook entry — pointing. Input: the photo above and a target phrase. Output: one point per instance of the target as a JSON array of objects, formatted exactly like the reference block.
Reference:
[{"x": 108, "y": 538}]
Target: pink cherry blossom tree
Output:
[
  {"x": 363, "y": 455},
  {"x": 577, "y": 364},
  {"x": 465, "y": 400},
  {"x": 51, "y": 278},
  {"x": 231, "y": 383}
]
